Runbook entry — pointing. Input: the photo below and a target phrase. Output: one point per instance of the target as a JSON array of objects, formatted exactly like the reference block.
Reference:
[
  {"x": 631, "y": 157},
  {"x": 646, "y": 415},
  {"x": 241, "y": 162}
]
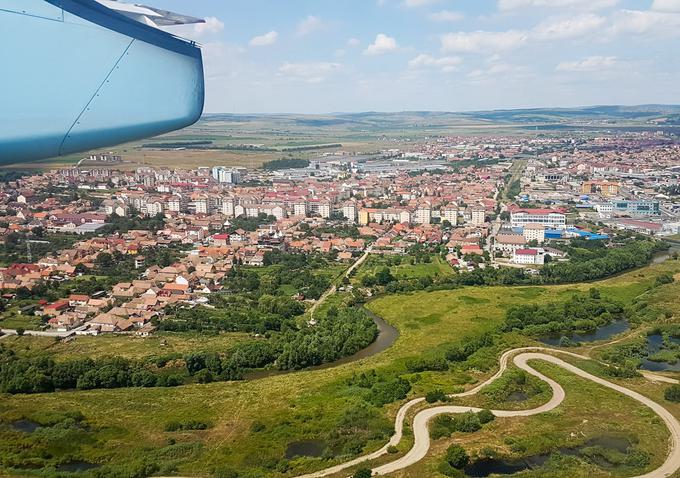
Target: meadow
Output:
[{"x": 250, "y": 424}]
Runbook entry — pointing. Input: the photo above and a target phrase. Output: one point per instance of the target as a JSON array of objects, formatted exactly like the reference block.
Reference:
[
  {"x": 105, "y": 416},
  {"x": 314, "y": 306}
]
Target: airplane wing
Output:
[
  {"x": 86, "y": 74},
  {"x": 150, "y": 15}
]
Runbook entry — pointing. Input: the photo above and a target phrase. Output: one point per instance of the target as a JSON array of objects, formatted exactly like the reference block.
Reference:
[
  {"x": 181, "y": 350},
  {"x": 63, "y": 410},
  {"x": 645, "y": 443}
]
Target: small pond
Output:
[
  {"x": 601, "y": 333},
  {"x": 516, "y": 397},
  {"x": 77, "y": 467},
  {"x": 26, "y": 426},
  {"x": 655, "y": 345},
  {"x": 503, "y": 466},
  {"x": 310, "y": 448}
]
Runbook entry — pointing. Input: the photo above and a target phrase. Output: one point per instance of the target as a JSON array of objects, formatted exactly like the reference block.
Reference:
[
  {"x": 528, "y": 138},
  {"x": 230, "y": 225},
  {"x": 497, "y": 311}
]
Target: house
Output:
[
  {"x": 529, "y": 256},
  {"x": 509, "y": 243}
]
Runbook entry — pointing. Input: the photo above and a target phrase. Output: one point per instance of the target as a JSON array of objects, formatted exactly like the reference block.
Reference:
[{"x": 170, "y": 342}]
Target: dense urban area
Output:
[{"x": 271, "y": 321}]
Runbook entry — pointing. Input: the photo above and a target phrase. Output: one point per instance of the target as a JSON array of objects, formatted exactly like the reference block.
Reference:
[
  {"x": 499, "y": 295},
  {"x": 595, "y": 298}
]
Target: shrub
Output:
[
  {"x": 257, "y": 427},
  {"x": 486, "y": 416},
  {"x": 186, "y": 425},
  {"x": 435, "y": 396},
  {"x": 672, "y": 393},
  {"x": 363, "y": 473},
  {"x": 457, "y": 457}
]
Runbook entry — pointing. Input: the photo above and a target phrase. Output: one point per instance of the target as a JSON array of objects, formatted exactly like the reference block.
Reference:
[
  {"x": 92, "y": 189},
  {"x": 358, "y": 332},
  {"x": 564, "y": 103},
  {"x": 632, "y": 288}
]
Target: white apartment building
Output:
[
  {"x": 478, "y": 216},
  {"x": 224, "y": 175},
  {"x": 423, "y": 215},
  {"x": 450, "y": 213},
  {"x": 349, "y": 211},
  {"x": 534, "y": 232},
  {"x": 544, "y": 217}
]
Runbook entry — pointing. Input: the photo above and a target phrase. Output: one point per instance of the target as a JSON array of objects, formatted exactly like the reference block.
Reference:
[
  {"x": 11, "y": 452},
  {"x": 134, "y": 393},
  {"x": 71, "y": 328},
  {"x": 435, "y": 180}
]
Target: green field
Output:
[
  {"x": 252, "y": 423},
  {"x": 162, "y": 344},
  {"x": 406, "y": 269}
]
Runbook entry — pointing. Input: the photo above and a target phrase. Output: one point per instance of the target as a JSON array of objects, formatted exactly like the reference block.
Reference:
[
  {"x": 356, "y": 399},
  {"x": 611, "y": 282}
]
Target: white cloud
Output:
[
  {"x": 575, "y": 27},
  {"x": 646, "y": 22},
  {"x": 265, "y": 40},
  {"x": 506, "y": 70},
  {"x": 446, "y": 16},
  {"x": 309, "y": 25},
  {"x": 445, "y": 63},
  {"x": 418, "y": 3},
  {"x": 382, "y": 44},
  {"x": 353, "y": 42},
  {"x": 590, "y": 5},
  {"x": 309, "y": 72},
  {"x": 666, "y": 5},
  {"x": 472, "y": 42},
  {"x": 589, "y": 64},
  {"x": 211, "y": 26}
]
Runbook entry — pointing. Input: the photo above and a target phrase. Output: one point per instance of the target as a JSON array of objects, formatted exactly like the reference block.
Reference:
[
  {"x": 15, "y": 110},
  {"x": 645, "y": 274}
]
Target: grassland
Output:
[
  {"x": 129, "y": 424},
  {"x": 589, "y": 411},
  {"x": 407, "y": 269},
  {"x": 162, "y": 344}
]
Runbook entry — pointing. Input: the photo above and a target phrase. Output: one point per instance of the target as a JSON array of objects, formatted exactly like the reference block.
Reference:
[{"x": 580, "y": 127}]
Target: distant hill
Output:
[{"x": 630, "y": 115}]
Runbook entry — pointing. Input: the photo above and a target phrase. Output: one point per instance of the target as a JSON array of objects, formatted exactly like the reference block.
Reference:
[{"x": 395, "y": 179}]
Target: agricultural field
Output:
[{"x": 254, "y": 427}]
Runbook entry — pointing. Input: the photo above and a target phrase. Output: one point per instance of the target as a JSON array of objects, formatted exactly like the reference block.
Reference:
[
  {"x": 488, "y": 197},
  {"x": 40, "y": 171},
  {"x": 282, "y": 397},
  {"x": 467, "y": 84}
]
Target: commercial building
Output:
[{"x": 545, "y": 217}]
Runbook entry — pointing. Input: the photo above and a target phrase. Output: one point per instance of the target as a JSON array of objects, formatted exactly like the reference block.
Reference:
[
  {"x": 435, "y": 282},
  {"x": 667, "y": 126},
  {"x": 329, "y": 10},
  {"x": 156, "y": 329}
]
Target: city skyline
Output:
[{"x": 444, "y": 55}]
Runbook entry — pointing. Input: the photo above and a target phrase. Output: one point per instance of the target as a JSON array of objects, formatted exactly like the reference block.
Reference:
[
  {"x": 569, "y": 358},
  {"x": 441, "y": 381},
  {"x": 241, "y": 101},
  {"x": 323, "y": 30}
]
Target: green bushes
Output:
[
  {"x": 363, "y": 473},
  {"x": 436, "y": 396},
  {"x": 672, "y": 394},
  {"x": 457, "y": 457},
  {"x": 446, "y": 425},
  {"x": 186, "y": 426},
  {"x": 581, "y": 313},
  {"x": 438, "y": 364},
  {"x": 467, "y": 347}
]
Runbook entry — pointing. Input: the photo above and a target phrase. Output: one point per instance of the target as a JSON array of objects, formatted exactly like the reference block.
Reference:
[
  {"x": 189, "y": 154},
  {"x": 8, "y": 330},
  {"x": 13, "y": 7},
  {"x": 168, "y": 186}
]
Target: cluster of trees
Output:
[
  {"x": 235, "y": 313},
  {"x": 589, "y": 261},
  {"x": 338, "y": 334},
  {"x": 118, "y": 224},
  {"x": 597, "y": 261},
  {"x": 178, "y": 144},
  {"x": 40, "y": 374},
  {"x": 446, "y": 425},
  {"x": 290, "y": 163},
  {"x": 580, "y": 313},
  {"x": 14, "y": 248},
  {"x": 380, "y": 389},
  {"x": 382, "y": 277},
  {"x": 250, "y": 223}
]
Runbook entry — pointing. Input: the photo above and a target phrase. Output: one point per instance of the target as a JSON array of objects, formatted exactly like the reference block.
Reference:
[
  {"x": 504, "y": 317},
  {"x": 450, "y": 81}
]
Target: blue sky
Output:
[{"x": 319, "y": 56}]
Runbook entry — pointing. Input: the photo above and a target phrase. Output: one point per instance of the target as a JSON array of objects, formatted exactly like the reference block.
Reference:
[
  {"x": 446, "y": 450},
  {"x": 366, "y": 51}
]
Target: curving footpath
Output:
[{"x": 521, "y": 358}]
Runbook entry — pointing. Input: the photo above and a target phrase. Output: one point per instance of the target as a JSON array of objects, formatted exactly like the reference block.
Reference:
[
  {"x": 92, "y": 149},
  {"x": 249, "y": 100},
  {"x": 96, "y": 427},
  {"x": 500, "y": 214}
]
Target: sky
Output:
[{"x": 323, "y": 56}]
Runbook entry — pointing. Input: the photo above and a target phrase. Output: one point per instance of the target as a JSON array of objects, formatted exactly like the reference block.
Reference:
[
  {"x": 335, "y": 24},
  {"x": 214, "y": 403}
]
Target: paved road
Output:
[
  {"x": 333, "y": 288},
  {"x": 521, "y": 358},
  {"x": 45, "y": 333}
]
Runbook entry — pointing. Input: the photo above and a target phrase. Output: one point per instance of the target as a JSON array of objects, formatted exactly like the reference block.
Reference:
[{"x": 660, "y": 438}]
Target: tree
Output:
[
  {"x": 363, "y": 473},
  {"x": 457, "y": 457}
]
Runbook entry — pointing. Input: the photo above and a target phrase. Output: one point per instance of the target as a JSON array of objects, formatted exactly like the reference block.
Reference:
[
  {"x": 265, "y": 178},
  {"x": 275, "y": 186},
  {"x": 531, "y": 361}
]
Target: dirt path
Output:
[{"x": 521, "y": 358}]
